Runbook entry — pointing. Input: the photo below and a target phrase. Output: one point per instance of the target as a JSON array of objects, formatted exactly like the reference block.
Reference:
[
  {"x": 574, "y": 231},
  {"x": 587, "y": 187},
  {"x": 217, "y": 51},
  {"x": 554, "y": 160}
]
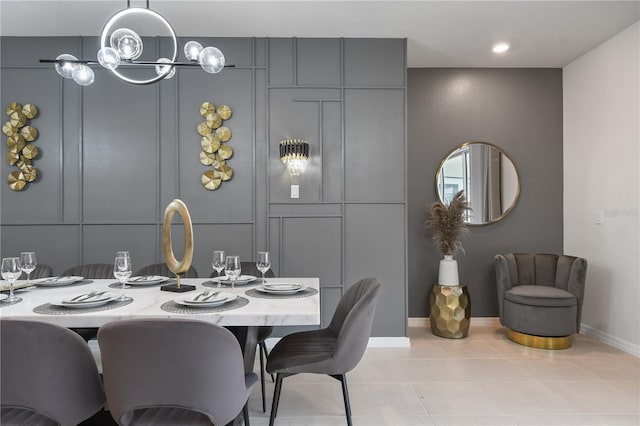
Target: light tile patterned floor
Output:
[{"x": 482, "y": 380}]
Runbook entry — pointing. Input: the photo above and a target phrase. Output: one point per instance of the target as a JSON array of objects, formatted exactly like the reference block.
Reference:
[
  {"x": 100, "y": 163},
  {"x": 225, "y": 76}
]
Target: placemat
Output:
[
  {"x": 49, "y": 309},
  {"x": 177, "y": 308},
  {"x": 3, "y": 303},
  {"x": 76, "y": 284},
  {"x": 261, "y": 295},
  {"x": 118, "y": 286}
]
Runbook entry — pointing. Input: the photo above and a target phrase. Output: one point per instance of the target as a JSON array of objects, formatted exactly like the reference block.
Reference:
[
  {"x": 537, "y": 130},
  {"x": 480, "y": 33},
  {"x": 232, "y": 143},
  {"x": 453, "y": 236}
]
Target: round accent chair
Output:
[{"x": 540, "y": 297}]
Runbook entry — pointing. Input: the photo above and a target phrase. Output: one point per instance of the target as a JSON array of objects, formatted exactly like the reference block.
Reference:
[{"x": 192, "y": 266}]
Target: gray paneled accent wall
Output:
[
  {"x": 113, "y": 155},
  {"x": 520, "y": 110}
]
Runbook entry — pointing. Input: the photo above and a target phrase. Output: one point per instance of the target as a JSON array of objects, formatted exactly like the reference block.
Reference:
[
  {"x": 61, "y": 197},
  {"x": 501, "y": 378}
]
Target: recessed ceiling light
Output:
[{"x": 500, "y": 47}]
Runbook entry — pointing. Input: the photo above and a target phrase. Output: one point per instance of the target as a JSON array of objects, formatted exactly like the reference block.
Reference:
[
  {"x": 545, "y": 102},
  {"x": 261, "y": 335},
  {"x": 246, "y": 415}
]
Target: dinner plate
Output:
[
  {"x": 280, "y": 288},
  {"x": 56, "y": 281},
  {"x": 218, "y": 300},
  {"x": 81, "y": 305},
  {"x": 242, "y": 280},
  {"x": 83, "y": 300},
  {"x": 147, "y": 280}
]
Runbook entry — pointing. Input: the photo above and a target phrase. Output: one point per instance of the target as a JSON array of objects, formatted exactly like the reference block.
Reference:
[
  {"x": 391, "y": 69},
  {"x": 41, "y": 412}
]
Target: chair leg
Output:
[
  {"x": 276, "y": 399},
  {"x": 264, "y": 397},
  {"x": 245, "y": 413},
  {"x": 263, "y": 348},
  {"x": 345, "y": 395}
]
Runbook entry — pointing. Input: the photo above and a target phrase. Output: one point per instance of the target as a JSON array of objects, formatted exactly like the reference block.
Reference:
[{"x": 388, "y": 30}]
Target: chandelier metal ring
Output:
[{"x": 104, "y": 41}]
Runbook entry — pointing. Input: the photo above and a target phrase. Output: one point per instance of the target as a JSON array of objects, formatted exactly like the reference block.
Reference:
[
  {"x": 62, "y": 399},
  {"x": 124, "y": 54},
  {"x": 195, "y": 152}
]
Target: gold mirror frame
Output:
[
  {"x": 175, "y": 266},
  {"x": 506, "y": 155}
]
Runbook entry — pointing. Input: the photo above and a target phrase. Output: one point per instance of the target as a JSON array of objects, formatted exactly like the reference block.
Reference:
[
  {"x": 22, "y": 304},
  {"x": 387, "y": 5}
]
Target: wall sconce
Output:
[{"x": 294, "y": 153}]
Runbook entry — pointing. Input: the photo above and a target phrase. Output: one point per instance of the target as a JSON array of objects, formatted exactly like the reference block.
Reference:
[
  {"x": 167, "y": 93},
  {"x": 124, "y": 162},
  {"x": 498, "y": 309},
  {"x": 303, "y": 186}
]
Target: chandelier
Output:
[
  {"x": 294, "y": 153},
  {"x": 121, "y": 50}
]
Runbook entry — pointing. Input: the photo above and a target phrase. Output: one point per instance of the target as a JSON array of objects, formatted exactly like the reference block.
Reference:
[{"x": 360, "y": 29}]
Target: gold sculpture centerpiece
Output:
[
  {"x": 20, "y": 151},
  {"x": 215, "y": 151},
  {"x": 174, "y": 265}
]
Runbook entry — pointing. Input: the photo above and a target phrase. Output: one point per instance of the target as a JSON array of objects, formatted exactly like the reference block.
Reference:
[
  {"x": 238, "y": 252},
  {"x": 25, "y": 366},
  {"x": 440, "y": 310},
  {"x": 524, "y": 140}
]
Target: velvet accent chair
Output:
[
  {"x": 96, "y": 271},
  {"x": 250, "y": 268},
  {"x": 163, "y": 270},
  {"x": 540, "y": 297},
  {"x": 47, "y": 374},
  {"x": 334, "y": 350},
  {"x": 173, "y": 372},
  {"x": 41, "y": 271}
]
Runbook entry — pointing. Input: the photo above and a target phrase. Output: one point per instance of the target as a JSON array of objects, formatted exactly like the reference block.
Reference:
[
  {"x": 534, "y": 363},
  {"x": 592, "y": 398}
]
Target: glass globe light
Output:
[
  {"x": 211, "y": 60},
  {"x": 109, "y": 58},
  {"x": 164, "y": 69},
  {"x": 83, "y": 75},
  {"x": 127, "y": 43},
  {"x": 192, "y": 50},
  {"x": 65, "y": 69}
]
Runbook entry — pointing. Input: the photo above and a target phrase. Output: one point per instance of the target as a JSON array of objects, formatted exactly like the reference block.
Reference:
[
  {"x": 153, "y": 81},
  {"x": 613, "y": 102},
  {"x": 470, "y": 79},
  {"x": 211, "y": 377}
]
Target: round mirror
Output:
[{"x": 488, "y": 177}]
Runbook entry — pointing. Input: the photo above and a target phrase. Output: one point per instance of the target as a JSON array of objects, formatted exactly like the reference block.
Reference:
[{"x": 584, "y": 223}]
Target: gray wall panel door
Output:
[
  {"x": 374, "y": 145},
  {"x": 318, "y": 62},
  {"x": 375, "y": 247},
  {"x": 119, "y": 150},
  {"x": 374, "y": 63},
  {"x": 311, "y": 247}
]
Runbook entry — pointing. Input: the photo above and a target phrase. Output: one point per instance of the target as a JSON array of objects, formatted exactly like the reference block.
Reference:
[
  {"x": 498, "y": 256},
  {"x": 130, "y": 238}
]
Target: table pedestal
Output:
[{"x": 450, "y": 311}]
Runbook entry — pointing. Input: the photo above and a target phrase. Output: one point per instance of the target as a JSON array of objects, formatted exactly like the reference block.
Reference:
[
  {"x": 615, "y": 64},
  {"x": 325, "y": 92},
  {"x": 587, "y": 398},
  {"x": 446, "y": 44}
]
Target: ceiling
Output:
[{"x": 439, "y": 33}]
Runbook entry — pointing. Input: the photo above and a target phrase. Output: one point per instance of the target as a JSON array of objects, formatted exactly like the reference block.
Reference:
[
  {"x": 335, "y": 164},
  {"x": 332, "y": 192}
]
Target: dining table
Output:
[{"x": 250, "y": 307}]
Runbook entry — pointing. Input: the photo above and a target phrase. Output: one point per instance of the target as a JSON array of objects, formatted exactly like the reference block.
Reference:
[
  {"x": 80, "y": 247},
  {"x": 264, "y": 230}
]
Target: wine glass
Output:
[
  {"x": 218, "y": 262},
  {"x": 233, "y": 268},
  {"x": 28, "y": 263},
  {"x": 122, "y": 270},
  {"x": 263, "y": 263},
  {"x": 10, "y": 272}
]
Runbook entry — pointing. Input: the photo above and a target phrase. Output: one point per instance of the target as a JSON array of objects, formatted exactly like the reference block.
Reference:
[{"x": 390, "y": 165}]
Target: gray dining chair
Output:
[
  {"x": 47, "y": 374},
  {"x": 41, "y": 271},
  {"x": 334, "y": 350},
  {"x": 250, "y": 268},
  {"x": 173, "y": 372},
  {"x": 163, "y": 269},
  {"x": 97, "y": 271}
]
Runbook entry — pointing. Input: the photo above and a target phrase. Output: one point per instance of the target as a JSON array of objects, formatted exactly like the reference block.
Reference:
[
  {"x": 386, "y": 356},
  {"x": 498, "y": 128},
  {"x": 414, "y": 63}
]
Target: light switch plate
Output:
[
  {"x": 598, "y": 217},
  {"x": 295, "y": 191}
]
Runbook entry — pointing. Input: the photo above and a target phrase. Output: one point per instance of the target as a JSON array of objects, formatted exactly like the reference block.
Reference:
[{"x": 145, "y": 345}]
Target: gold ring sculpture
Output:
[{"x": 175, "y": 266}]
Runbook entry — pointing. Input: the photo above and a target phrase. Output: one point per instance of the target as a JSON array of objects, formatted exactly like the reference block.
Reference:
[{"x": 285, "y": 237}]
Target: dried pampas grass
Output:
[{"x": 447, "y": 224}]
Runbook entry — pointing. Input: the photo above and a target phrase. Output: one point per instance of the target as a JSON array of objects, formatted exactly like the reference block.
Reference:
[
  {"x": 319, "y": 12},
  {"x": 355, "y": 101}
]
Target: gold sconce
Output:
[
  {"x": 21, "y": 152},
  {"x": 294, "y": 153}
]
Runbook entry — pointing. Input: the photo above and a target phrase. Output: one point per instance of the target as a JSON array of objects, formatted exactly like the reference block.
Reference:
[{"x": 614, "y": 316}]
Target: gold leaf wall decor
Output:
[
  {"x": 215, "y": 152},
  {"x": 20, "y": 153}
]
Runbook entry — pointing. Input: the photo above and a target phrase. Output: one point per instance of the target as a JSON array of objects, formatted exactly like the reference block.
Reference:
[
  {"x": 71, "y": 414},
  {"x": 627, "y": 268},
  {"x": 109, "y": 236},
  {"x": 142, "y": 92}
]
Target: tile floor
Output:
[{"x": 482, "y": 380}]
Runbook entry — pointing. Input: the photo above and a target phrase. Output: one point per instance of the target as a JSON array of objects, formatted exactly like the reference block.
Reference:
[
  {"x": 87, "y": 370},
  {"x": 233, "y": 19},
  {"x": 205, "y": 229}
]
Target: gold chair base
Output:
[{"x": 539, "y": 342}]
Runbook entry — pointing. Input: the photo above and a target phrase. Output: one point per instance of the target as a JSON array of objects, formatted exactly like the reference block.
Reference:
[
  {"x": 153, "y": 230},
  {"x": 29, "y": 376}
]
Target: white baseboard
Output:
[
  {"x": 610, "y": 340},
  {"x": 477, "y": 321},
  {"x": 389, "y": 342}
]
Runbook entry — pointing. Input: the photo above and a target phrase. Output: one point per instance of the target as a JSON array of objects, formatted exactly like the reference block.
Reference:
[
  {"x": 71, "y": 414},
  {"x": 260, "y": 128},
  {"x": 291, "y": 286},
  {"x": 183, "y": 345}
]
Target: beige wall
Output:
[{"x": 601, "y": 159}]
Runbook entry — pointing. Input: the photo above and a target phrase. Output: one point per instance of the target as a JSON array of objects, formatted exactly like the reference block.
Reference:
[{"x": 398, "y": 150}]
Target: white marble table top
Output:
[{"x": 147, "y": 301}]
